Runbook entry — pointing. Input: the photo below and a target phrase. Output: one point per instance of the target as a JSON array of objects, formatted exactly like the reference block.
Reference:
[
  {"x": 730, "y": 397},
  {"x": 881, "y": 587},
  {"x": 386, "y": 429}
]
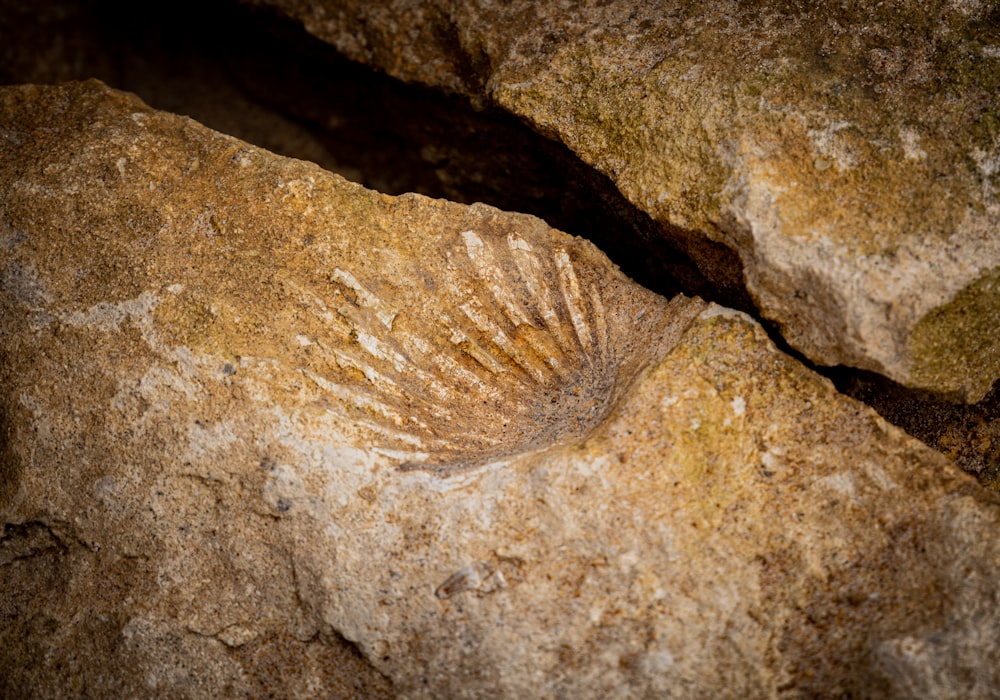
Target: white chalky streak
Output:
[
  {"x": 571, "y": 293},
  {"x": 366, "y": 298},
  {"x": 486, "y": 266}
]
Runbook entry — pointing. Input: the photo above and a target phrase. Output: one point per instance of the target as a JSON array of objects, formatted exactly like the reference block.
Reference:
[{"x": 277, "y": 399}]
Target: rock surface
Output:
[
  {"x": 850, "y": 154},
  {"x": 249, "y": 407}
]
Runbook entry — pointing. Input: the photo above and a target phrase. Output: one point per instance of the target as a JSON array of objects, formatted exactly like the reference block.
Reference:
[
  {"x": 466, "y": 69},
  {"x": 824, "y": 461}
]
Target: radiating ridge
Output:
[{"x": 504, "y": 344}]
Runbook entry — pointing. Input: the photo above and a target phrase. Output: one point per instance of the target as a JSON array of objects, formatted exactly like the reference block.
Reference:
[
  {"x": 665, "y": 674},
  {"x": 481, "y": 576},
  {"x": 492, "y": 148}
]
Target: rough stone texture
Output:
[
  {"x": 967, "y": 434},
  {"x": 249, "y": 406},
  {"x": 849, "y": 153}
]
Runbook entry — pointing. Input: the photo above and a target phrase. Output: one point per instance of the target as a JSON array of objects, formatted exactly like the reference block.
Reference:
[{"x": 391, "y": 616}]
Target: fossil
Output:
[{"x": 495, "y": 342}]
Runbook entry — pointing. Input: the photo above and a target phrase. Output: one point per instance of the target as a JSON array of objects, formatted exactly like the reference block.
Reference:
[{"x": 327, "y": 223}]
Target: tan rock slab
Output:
[
  {"x": 250, "y": 406},
  {"x": 850, "y": 154}
]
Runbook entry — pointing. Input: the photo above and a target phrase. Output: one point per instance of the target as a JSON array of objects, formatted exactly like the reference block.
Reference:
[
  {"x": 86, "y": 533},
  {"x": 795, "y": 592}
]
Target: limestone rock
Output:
[
  {"x": 850, "y": 154},
  {"x": 249, "y": 407}
]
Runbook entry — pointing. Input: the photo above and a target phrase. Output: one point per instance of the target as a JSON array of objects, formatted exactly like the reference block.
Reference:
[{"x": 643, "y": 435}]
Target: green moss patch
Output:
[{"x": 956, "y": 347}]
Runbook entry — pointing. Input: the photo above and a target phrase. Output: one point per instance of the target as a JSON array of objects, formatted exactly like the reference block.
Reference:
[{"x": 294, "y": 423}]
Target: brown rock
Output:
[
  {"x": 848, "y": 153},
  {"x": 250, "y": 407}
]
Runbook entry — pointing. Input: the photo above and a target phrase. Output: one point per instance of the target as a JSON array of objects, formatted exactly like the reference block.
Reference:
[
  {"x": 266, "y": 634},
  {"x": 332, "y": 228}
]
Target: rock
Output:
[
  {"x": 849, "y": 154},
  {"x": 157, "y": 53},
  {"x": 251, "y": 408}
]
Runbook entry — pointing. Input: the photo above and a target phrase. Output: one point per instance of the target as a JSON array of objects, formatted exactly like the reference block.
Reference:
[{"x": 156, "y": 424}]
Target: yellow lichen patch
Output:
[{"x": 820, "y": 179}]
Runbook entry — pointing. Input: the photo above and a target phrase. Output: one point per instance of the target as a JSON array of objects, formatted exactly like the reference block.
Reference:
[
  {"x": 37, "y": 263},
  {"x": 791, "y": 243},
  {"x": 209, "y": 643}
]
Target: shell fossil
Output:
[{"x": 498, "y": 340}]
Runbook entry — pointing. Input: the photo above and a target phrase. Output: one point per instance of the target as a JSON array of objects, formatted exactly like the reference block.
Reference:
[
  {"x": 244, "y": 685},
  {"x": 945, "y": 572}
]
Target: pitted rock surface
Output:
[{"x": 250, "y": 408}]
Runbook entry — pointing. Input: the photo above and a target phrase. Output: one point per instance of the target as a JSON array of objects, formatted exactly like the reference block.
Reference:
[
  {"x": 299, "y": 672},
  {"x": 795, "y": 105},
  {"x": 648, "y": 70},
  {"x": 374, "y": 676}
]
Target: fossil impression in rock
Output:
[
  {"x": 488, "y": 342},
  {"x": 227, "y": 301}
]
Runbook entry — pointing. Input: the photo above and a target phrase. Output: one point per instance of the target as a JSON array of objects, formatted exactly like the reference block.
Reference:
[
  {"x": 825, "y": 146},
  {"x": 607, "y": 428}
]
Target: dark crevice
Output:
[
  {"x": 391, "y": 136},
  {"x": 967, "y": 434},
  {"x": 262, "y": 78}
]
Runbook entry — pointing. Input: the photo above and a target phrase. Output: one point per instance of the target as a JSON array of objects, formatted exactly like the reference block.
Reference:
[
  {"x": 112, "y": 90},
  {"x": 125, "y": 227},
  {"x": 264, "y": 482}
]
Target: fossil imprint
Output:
[{"x": 498, "y": 339}]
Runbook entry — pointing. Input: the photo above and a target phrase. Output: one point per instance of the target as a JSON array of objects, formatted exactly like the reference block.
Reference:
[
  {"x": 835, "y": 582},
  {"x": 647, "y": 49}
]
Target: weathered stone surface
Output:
[
  {"x": 849, "y": 153},
  {"x": 249, "y": 406}
]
